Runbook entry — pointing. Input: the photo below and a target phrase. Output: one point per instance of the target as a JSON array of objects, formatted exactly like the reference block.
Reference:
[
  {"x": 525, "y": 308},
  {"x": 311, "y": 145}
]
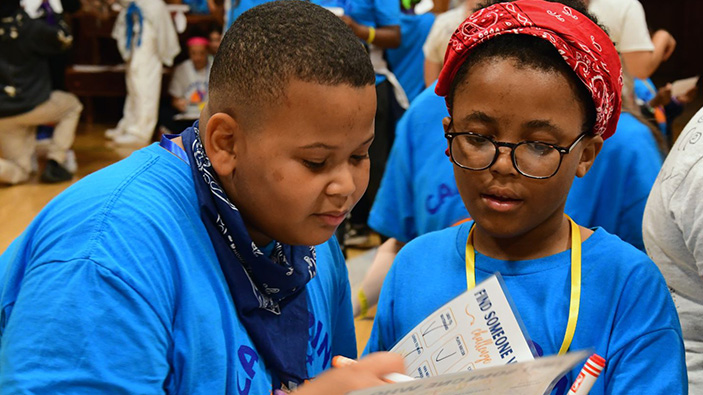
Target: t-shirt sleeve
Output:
[
  {"x": 392, "y": 211},
  {"x": 635, "y": 34},
  {"x": 387, "y": 13},
  {"x": 689, "y": 212},
  {"x": 652, "y": 360},
  {"x": 344, "y": 336},
  {"x": 76, "y": 327}
]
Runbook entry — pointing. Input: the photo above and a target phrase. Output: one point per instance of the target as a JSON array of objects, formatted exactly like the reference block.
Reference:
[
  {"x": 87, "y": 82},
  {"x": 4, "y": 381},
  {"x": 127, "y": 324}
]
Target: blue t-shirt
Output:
[
  {"x": 626, "y": 313},
  {"x": 614, "y": 191},
  {"x": 235, "y": 8},
  {"x": 408, "y": 60},
  {"x": 418, "y": 193},
  {"x": 373, "y": 13},
  {"x": 115, "y": 287}
]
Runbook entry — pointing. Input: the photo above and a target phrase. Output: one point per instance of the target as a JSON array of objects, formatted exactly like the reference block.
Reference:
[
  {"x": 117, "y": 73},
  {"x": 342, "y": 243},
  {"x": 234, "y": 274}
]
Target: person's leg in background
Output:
[
  {"x": 17, "y": 144},
  {"x": 128, "y": 110},
  {"x": 62, "y": 109},
  {"x": 145, "y": 72},
  {"x": 68, "y": 108}
]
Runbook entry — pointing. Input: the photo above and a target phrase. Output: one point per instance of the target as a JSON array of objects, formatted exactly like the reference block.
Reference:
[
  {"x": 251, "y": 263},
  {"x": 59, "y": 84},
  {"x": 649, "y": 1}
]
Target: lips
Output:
[
  {"x": 333, "y": 218},
  {"x": 501, "y": 199}
]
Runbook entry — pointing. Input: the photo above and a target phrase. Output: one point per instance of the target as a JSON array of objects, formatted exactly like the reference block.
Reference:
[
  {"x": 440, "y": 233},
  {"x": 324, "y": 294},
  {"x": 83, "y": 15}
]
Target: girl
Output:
[{"x": 533, "y": 90}]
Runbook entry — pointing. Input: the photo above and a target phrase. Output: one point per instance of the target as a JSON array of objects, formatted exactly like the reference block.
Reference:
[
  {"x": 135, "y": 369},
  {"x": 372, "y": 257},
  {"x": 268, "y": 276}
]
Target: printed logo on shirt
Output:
[
  {"x": 247, "y": 360},
  {"x": 563, "y": 384},
  {"x": 319, "y": 343},
  {"x": 435, "y": 201}
]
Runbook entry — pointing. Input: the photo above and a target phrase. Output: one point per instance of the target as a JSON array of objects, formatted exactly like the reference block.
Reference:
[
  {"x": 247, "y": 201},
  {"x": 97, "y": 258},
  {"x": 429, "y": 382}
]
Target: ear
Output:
[
  {"x": 589, "y": 154},
  {"x": 445, "y": 123},
  {"x": 221, "y": 140}
]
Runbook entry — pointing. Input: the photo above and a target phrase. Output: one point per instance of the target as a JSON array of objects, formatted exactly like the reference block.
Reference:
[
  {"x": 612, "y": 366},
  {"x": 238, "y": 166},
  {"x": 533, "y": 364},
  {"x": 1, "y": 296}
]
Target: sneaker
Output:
[
  {"x": 128, "y": 139},
  {"x": 54, "y": 172},
  {"x": 70, "y": 163},
  {"x": 110, "y": 134}
]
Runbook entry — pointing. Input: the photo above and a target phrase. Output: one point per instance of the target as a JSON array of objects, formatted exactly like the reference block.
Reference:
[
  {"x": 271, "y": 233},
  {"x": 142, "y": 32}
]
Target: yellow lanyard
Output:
[{"x": 575, "y": 279}]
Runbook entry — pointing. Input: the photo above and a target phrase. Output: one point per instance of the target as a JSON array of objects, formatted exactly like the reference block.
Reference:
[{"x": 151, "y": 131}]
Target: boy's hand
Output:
[{"x": 367, "y": 373}]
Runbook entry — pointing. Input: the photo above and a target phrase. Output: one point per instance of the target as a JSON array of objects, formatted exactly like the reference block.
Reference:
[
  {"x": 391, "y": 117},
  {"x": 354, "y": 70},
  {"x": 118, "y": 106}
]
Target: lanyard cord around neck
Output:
[{"x": 575, "y": 279}]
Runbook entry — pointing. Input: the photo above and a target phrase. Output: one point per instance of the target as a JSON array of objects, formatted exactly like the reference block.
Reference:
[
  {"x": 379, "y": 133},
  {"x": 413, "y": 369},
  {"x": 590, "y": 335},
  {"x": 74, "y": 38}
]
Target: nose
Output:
[
  {"x": 343, "y": 182},
  {"x": 504, "y": 162}
]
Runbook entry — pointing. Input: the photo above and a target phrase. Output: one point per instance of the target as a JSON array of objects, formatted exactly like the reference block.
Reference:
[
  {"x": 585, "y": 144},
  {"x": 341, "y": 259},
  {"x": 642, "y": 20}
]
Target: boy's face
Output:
[
  {"x": 513, "y": 104},
  {"x": 198, "y": 55},
  {"x": 305, "y": 164}
]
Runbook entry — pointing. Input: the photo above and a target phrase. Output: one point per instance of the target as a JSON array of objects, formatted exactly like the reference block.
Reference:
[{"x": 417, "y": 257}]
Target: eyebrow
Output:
[
  {"x": 480, "y": 117},
  {"x": 330, "y": 147},
  {"x": 543, "y": 124}
]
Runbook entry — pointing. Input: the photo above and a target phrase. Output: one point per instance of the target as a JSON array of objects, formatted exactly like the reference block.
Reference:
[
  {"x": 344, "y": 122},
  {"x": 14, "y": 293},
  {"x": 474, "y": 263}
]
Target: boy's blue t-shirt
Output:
[
  {"x": 408, "y": 60},
  {"x": 115, "y": 287},
  {"x": 418, "y": 193},
  {"x": 626, "y": 313}
]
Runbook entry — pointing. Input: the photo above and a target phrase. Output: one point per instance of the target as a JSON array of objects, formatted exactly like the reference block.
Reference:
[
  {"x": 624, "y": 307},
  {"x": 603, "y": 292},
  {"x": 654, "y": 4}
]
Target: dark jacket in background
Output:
[{"x": 25, "y": 44}]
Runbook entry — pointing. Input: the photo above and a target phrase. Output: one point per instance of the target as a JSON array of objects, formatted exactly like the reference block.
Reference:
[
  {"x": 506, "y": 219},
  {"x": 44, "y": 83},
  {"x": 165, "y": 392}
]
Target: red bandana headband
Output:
[{"x": 585, "y": 47}]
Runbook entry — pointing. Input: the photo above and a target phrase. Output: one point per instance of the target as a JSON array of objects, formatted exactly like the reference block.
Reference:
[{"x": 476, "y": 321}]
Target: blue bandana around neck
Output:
[{"x": 268, "y": 292}]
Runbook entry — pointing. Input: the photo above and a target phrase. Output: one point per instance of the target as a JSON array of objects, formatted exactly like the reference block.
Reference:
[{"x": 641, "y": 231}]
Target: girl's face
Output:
[{"x": 513, "y": 104}]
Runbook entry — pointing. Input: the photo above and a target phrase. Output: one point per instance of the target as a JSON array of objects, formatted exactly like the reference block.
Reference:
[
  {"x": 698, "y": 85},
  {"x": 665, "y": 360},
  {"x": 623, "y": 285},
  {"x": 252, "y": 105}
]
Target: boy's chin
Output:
[{"x": 310, "y": 238}]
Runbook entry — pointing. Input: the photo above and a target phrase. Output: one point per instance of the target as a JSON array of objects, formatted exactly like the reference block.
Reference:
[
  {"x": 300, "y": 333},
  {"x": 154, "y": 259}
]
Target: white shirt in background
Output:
[
  {"x": 626, "y": 23},
  {"x": 673, "y": 235},
  {"x": 442, "y": 29}
]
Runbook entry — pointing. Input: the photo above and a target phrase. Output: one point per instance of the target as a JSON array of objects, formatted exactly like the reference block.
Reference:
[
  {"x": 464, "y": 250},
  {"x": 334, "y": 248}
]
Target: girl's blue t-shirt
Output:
[
  {"x": 626, "y": 313},
  {"x": 418, "y": 193},
  {"x": 115, "y": 287}
]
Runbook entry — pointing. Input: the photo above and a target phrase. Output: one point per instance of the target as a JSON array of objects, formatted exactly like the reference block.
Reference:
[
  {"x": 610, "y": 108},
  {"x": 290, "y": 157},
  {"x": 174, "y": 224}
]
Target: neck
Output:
[
  {"x": 549, "y": 238},
  {"x": 260, "y": 239}
]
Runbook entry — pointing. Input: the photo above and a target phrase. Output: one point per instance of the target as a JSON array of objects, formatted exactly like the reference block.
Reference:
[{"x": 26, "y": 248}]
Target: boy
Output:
[
  {"x": 533, "y": 89},
  {"x": 186, "y": 268}
]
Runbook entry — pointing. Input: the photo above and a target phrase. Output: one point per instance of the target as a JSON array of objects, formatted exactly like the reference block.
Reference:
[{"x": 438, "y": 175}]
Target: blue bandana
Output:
[{"x": 268, "y": 292}]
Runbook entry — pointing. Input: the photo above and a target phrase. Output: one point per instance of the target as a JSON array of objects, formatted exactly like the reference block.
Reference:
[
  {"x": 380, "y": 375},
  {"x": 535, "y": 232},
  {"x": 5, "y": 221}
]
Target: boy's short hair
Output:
[
  {"x": 532, "y": 52},
  {"x": 274, "y": 43}
]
